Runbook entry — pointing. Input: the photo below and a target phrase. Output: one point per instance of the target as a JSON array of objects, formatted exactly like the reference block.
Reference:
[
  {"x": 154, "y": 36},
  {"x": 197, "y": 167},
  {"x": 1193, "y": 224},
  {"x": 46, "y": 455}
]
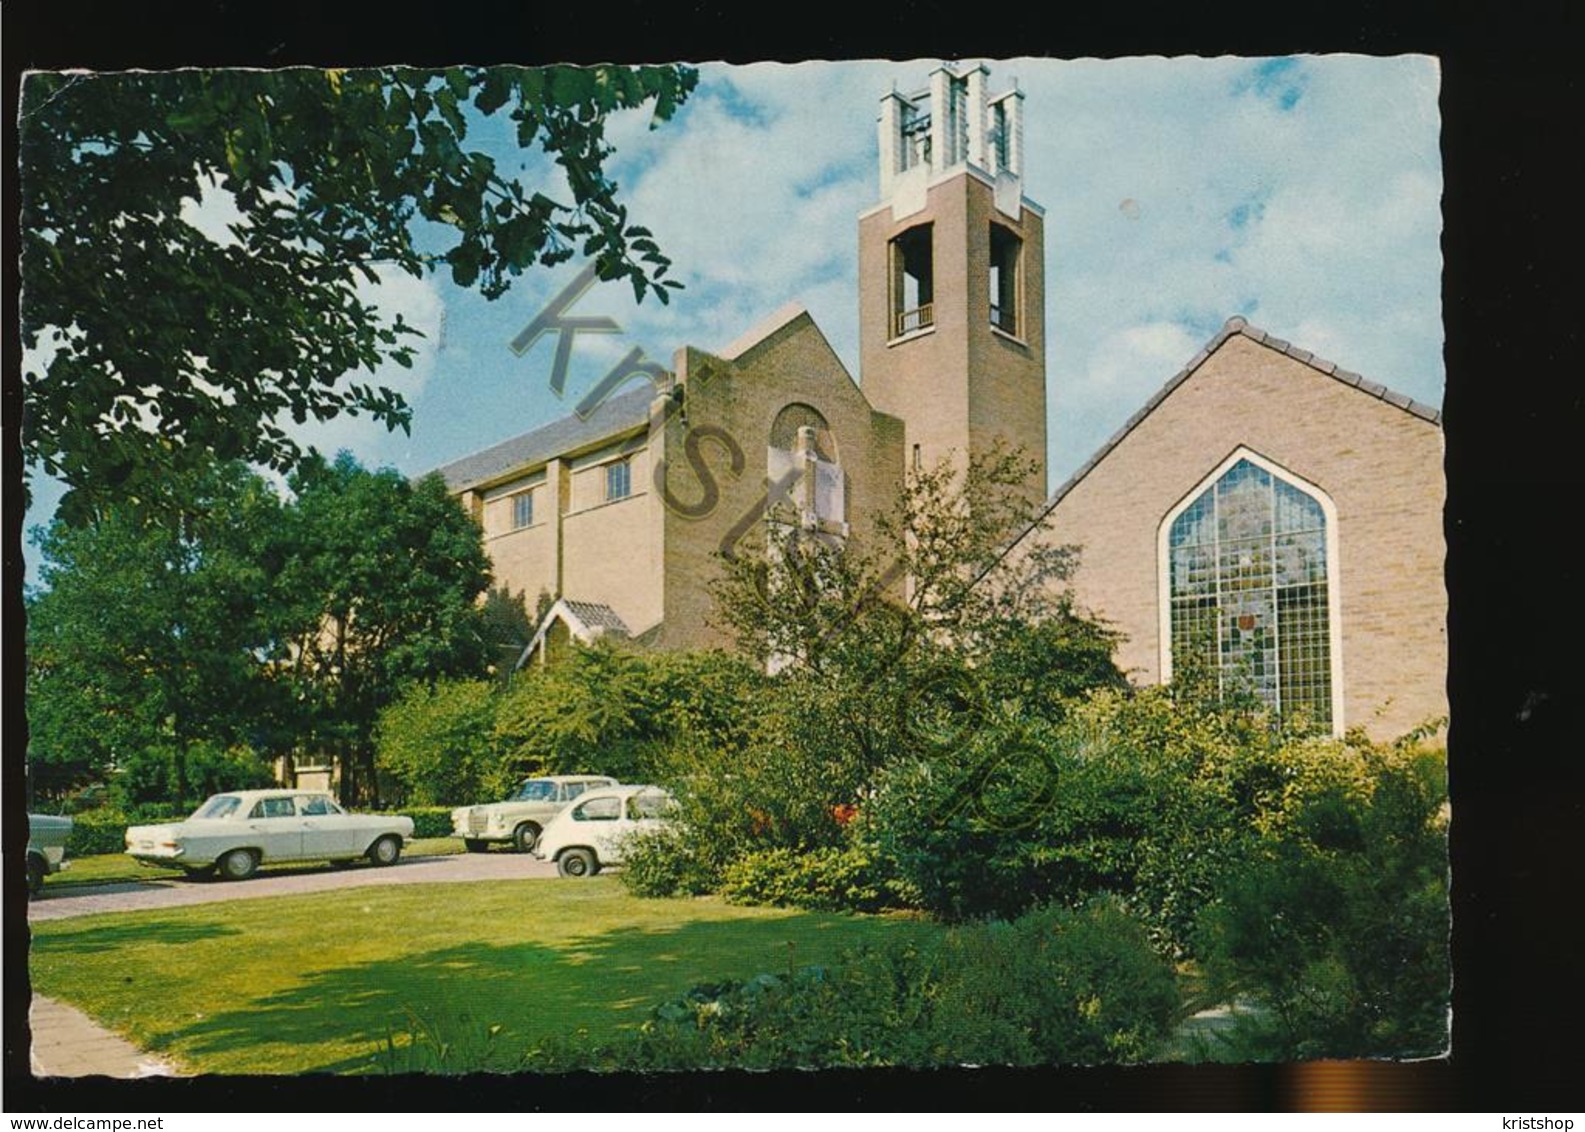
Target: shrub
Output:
[
  {"x": 663, "y": 862},
  {"x": 1059, "y": 986},
  {"x": 827, "y": 879},
  {"x": 429, "y": 821},
  {"x": 606, "y": 710},
  {"x": 1337, "y": 925},
  {"x": 98, "y": 831},
  {"x": 151, "y": 776},
  {"x": 1018, "y": 817},
  {"x": 1055, "y": 987},
  {"x": 1149, "y": 797}
]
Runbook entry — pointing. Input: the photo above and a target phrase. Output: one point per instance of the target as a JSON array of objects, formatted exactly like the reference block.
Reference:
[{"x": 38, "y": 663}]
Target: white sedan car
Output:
[
  {"x": 593, "y": 831},
  {"x": 238, "y": 831}
]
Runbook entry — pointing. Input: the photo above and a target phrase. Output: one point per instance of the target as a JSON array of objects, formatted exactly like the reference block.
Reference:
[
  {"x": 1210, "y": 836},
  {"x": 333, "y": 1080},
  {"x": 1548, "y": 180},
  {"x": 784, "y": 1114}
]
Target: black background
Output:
[{"x": 1512, "y": 162}]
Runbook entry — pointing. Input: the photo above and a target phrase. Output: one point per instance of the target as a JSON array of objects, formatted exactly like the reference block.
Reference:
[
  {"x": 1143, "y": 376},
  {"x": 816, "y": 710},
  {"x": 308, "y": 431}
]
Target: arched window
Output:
[
  {"x": 805, "y": 469},
  {"x": 1250, "y": 589}
]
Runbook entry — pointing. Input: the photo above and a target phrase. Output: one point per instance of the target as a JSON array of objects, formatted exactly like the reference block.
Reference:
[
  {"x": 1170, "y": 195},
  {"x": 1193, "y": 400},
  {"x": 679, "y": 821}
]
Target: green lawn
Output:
[
  {"x": 106, "y": 868},
  {"x": 317, "y": 983}
]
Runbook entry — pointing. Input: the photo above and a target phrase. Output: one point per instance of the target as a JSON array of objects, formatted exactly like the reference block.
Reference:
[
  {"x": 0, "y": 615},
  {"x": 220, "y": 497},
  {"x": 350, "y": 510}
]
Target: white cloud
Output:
[
  {"x": 1317, "y": 220},
  {"x": 1117, "y": 362}
]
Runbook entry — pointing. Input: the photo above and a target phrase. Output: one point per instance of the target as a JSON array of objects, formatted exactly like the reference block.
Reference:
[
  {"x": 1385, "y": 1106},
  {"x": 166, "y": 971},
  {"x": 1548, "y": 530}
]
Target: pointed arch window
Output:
[{"x": 1250, "y": 589}]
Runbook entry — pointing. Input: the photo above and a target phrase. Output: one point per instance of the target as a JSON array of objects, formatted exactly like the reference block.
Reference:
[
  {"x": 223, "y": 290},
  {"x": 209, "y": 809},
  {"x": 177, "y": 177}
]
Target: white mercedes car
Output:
[
  {"x": 519, "y": 819},
  {"x": 238, "y": 831}
]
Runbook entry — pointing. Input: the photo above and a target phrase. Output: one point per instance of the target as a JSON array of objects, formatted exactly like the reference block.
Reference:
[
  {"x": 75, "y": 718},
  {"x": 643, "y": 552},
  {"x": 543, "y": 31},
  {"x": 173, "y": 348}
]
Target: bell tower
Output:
[{"x": 952, "y": 275}]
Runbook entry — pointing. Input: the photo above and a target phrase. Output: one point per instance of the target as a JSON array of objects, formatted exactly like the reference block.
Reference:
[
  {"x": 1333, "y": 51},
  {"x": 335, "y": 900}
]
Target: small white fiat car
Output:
[
  {"x": 238, "y": 831},
  {"x": 593, "y": 831}
]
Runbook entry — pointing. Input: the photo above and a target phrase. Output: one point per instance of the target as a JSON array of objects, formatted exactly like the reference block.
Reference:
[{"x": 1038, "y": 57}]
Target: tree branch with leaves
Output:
[{"x": 152, "y": 348}]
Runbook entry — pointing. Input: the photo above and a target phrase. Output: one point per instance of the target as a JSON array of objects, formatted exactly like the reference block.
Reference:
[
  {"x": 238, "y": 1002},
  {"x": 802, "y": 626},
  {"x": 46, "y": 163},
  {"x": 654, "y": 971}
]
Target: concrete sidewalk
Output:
[{"x": 67, "y": 1043}]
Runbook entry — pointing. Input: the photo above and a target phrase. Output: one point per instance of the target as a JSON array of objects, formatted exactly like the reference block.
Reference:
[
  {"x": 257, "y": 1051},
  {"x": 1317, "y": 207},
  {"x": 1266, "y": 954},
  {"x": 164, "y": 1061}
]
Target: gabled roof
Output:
[
  {"x": 767, "y": 328},
  {"x": 587, "y": 621},
  {"x": 613, "y": 417},
  {"x": 1232, "y": 326},
  {"x": 761, "y": 330},
  {"x": 594, "y": 615}
]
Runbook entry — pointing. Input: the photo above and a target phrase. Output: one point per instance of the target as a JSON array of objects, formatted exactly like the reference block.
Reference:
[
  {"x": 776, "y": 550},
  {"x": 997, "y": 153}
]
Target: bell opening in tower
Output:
[
  {"x": 1005, "y": 253},
  {"x": 913, "y": 286}
]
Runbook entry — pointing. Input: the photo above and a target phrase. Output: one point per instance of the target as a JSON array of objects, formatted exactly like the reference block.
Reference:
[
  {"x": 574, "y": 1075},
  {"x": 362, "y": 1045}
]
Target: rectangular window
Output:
[
  {"x": 916, "y": 137},
  {"x": 1005, "y": 252},
  {"x": 999, "y": 139},
  {"x": 522, "y": 510},
  {"x": 957, "y": 121},
  {"x": 913, "y": 283},
  {"x": 618, "y": 480}
]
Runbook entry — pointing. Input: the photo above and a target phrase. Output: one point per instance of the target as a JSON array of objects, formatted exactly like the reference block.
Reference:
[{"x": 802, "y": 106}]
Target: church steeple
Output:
[
  {"x": 951, "y": 122},
  {"x": 952, "y": 273}
]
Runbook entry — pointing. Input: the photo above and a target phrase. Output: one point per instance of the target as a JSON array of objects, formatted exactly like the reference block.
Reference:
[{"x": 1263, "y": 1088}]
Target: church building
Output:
[{"x": 1267, "y": 517}]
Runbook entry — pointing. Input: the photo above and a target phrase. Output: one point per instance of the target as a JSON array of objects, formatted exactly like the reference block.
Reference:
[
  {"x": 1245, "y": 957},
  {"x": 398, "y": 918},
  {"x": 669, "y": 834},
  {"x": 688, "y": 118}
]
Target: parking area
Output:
[{"x": 173, "y": 890}]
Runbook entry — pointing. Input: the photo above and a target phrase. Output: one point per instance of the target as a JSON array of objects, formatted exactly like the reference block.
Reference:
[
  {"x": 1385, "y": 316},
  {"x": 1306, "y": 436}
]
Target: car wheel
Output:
[
  {"x": 475, "y": 845},
  {"x": 239, "y": 864},
  {"x": 525, "y": 837},
  {"x": 577, "y": 863},
  {"x": 385, "y": 851},
  {"x": 35, "y": 877}
]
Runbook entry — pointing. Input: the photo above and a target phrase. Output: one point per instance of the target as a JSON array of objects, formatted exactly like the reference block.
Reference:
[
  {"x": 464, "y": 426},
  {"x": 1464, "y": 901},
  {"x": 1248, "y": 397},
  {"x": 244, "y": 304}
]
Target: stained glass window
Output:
[{"x": 1248, "y": 580}]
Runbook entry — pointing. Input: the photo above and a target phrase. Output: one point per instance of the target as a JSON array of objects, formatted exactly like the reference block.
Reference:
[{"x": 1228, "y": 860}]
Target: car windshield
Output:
[
  {"x": 220, "y": 806},
  {"x": 536, "y": 790}
]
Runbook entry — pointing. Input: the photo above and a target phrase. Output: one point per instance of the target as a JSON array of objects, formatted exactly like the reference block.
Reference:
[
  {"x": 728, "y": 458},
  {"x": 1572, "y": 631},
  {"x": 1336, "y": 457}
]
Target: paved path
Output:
[
  {"x": 175, "y": 891},
  {"x": 68, "y": 1043}
]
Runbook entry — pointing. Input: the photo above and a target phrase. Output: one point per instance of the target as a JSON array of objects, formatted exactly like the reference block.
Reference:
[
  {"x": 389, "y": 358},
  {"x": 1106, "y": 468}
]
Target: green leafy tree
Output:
[
  {"x": 942, "y": 570},
  {"x": 153, "y": 348},
  {"x": 383, "y": 586},
  {"x": 507, "y": 629},
  {"x": 148, "y": 635},
  {"x": 605, "y": 709},
  {"x": 438, "y": 742},
  {"x": 881, "y": 648}
]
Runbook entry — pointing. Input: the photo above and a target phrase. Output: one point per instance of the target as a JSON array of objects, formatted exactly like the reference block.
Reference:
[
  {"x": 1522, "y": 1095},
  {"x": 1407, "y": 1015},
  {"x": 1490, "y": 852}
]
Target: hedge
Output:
[
  {"x": 429, "y": 821},
  {"x": 98, "y": 831}
]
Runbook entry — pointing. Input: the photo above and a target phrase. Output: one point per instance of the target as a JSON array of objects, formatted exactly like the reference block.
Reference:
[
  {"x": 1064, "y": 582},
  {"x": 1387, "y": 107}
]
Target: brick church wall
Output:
[{"x": 1380, "y": 464}]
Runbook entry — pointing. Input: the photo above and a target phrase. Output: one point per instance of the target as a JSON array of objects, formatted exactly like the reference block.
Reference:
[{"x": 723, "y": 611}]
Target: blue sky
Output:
[{"x": 1302, "y": 193}]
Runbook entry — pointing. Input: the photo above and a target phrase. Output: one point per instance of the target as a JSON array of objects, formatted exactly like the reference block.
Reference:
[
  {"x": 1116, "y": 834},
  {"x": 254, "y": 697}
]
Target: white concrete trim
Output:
[{"x": 920, "y": 332}]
